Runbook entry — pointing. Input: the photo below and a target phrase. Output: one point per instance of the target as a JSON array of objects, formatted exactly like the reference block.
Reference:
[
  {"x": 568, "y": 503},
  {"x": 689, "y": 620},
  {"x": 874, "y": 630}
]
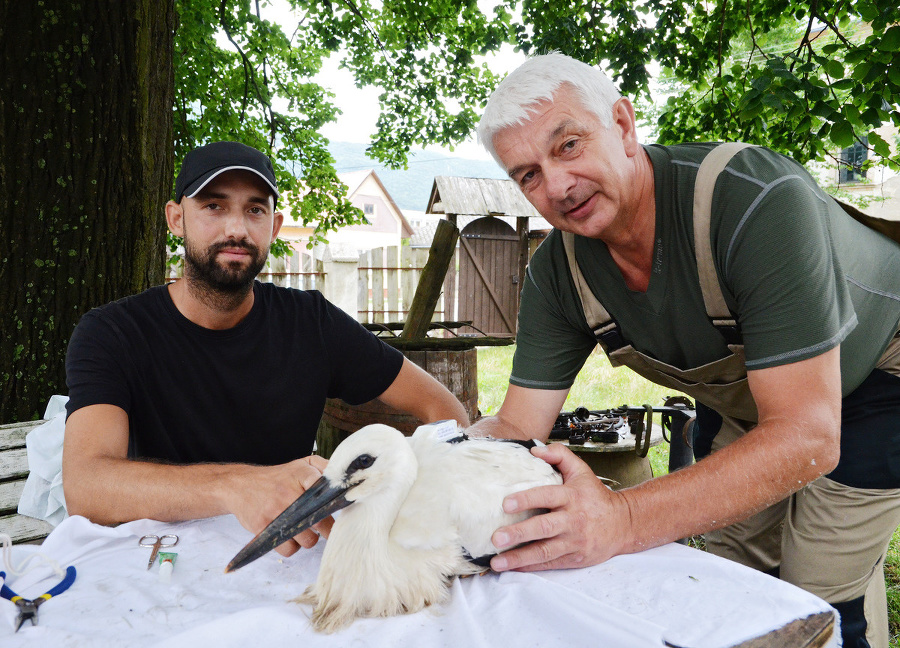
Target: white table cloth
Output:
[{"x": 670, "y": 594}]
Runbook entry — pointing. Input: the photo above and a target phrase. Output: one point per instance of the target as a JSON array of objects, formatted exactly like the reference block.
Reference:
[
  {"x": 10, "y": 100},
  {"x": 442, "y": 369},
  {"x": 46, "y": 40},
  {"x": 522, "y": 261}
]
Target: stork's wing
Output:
[{"x": 461, "y": 486}]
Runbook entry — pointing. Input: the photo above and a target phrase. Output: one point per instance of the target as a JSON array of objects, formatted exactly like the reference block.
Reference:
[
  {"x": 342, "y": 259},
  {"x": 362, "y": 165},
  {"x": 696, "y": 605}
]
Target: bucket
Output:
[{"x": 456, "y": 370}]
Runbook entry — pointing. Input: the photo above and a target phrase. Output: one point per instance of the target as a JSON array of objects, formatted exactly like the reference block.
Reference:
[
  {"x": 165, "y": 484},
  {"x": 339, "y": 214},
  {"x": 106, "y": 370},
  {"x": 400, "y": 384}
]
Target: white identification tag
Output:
[{"x": 443, "y": 431}]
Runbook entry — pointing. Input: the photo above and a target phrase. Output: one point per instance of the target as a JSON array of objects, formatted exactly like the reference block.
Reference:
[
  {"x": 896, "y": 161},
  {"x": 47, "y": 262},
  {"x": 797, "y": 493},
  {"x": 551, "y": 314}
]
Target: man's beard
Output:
[{"x": 229, "y": 281}]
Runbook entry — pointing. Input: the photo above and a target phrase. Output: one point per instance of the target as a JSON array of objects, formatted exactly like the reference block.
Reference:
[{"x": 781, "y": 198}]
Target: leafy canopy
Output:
[
  {"x": 240, "y": 75},
  {"x": 833, "y": 78}
]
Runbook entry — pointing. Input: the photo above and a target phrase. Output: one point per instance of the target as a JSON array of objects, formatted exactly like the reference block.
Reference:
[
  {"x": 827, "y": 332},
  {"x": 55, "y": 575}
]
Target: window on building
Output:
[
  {"x": 369, "y": 209},
  {"x": 851, "y": 161}
]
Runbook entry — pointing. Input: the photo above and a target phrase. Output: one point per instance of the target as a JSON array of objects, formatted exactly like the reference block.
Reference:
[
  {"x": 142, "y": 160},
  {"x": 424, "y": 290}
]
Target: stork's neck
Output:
[
  {"x": 374, "y": 518},
  {"x": 364, "y": 532}
]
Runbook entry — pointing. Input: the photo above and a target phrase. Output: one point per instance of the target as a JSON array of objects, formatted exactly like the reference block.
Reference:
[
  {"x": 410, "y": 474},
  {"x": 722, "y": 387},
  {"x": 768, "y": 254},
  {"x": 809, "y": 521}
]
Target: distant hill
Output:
[{"x": 410, "y": 188}]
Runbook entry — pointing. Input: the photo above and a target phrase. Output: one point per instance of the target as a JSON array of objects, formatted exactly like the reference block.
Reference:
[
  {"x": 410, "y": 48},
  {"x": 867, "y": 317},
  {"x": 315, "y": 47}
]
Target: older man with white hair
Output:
[{"x": 725, "y": 272}]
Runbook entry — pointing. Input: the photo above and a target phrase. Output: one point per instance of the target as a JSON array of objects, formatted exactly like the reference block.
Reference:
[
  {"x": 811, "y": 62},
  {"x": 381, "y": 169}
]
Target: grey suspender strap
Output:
[
  {"x": 605, "y": 329},
  {"x": 598, "y": 318},
  {"x": 713, "y": 164}
]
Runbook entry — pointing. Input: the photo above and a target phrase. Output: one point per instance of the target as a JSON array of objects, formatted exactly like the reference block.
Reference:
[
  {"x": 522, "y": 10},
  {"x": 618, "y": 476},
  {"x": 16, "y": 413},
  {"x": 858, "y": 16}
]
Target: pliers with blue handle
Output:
[{"x": 28, "y": 608}]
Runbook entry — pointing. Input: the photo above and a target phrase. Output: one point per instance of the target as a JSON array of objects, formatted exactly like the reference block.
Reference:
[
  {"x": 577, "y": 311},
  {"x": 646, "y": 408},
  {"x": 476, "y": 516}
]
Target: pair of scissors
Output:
[
  {"x": 28, "y": 608},
  {"x": 156, "y": 542}
]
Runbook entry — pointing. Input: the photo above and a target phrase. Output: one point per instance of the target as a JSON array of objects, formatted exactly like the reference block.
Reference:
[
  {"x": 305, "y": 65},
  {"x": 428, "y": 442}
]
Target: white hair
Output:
[{"x": 536, "y": 80}]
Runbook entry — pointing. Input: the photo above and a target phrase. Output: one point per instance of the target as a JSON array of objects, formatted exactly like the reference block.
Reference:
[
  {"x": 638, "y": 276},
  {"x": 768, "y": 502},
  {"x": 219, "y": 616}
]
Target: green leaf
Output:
[
  {"x": 796, "y": 110},
  {"x": 752, "y": 109},
  {"x": 890, "y": 41},
  {"x": 868, "y": 11},
  {"x": 751, "y": 96},
  {"x": 881, "y": 147},
  {"x": 843, "y": 84},
  {"x": 858, "y": 54},
  {"x": 860, "y": 71},
  {"x": 842, "y": 133},
  {"x": 773, "y": 101},
  {"x": 871, "y": 116},
  {"x": 761, "y": 83},
  {"x": 834, "y": 69},
  {"x": 851, "y": 113},
  {"x": 894, "y": 73},
  {"x": 822, "y": 109},
  {"x": 876, "y": 75}
]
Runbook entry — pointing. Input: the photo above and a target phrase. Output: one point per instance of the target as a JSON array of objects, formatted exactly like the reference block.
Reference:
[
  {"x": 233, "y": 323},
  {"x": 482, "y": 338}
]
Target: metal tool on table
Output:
[
  {"x": 581, "y": 425},
  {"x": 610, "y": 426},
  {"x": 605, "y": 426},
  {"x": 28, "y": 608},
  {"x": 157, "y": 542}
]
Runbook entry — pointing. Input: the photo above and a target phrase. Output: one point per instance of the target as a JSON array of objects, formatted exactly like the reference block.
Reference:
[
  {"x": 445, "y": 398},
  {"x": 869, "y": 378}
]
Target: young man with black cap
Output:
[{"x": 203, "y": 396}]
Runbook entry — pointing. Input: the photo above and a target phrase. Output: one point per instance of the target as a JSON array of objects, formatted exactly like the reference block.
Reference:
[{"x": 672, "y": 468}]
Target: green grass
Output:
[
  {"x": 599, "y": 386},
  {"x": 892, "y": 583}
]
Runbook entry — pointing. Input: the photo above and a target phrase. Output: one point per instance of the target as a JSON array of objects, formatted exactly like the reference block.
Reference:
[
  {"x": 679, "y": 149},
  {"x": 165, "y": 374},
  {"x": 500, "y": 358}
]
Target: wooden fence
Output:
[
  {"x": 387, "y": 280},
  {"x": 300, "y": 270}
]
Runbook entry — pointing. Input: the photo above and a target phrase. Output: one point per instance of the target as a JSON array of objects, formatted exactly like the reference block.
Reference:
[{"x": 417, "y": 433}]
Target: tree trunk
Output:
[{"x": 85, "y": 169}]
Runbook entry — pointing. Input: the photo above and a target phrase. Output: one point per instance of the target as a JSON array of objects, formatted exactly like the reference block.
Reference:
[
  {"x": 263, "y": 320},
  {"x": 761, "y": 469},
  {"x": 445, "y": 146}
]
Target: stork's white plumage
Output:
[{"x": 419, "y": 511}]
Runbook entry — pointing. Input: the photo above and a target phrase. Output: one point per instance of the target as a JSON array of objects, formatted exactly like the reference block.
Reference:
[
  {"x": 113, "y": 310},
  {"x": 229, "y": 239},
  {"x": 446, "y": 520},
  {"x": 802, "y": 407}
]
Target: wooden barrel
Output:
[{"x": 456, "y": 370}]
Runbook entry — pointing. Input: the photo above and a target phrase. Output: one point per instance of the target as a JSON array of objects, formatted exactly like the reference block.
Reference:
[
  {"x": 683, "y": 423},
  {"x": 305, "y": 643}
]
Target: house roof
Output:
[
  {"x": 478, "y": 197},
  {"x": 354, "y": 181},
  {"x": 426, "y": 226},
  {"x": 425, "y": 229}
]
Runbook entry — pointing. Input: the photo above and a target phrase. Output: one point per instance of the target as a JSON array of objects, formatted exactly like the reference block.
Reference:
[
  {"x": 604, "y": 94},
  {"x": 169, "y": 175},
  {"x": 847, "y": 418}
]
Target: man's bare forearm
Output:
[
  {"x": 525, "y": 414},
  {"x": 104, "y": 485},
  {"x": 111, "y": 490},
  {"x": 749, "y": 475},
  {"x": 494, "y": 426},
  {"x": 418, "y": 393}
]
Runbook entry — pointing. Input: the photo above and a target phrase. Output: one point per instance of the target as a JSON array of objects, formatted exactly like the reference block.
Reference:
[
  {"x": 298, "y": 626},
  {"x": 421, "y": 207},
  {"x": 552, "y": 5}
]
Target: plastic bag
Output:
[{"x": 42, "y": 496}]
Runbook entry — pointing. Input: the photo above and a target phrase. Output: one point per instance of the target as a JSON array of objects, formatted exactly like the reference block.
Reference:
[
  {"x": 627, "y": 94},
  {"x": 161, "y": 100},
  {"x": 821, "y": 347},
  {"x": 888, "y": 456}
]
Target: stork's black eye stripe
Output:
[{"x": 360, "y": 463}]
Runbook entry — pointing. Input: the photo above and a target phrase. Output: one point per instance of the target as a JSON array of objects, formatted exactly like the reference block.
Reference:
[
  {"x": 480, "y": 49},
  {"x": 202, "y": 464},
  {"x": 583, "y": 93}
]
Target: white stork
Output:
[{"x": 419, "y": 511}]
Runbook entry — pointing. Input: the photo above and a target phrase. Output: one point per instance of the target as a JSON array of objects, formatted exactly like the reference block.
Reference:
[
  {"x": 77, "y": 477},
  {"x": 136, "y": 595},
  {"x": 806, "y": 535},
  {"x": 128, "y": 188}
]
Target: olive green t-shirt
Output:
[{"x": 798, "y": 273}]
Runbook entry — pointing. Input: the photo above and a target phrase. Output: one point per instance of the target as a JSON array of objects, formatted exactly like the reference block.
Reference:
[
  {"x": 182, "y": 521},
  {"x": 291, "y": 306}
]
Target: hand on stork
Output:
[{"x": 586, "y": 524}]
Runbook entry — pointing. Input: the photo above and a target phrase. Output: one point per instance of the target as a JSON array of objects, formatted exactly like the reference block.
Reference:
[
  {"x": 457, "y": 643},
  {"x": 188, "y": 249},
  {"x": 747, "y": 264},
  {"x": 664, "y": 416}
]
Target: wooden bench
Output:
[{"x": 13, "y": 473}]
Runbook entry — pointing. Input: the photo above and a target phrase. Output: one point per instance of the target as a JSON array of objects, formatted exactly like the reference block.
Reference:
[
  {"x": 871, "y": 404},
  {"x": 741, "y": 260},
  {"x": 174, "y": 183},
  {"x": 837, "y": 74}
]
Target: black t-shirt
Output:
[{"x": 253, "y": 393}]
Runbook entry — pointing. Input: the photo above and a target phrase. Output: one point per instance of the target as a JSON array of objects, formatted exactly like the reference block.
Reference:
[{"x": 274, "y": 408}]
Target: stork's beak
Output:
[{"x": 318, "y": 502}]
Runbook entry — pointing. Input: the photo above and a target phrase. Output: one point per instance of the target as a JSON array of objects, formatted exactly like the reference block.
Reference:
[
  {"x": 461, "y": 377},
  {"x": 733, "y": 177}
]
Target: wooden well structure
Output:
[{"x": 452, "y": 359}]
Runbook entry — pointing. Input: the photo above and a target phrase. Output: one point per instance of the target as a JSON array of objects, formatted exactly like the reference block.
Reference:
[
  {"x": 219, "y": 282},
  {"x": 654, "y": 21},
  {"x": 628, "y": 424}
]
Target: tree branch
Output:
[
  {"x": 753, "y": 36},
  {"x": 248, "y": 70},
  {"x": 249, "y": 73},
  {"x": 721, "y": 33},
  {"x": 265, "y": 76},
  {"x": 721, "y": 30},
  {"x": 812, "y": 17},
  {"x": 182, "y": 112},
  {"x": 831, "y": 26},
  {"x": 356, "y": 12},
  {"x": 805, "y": 42}
]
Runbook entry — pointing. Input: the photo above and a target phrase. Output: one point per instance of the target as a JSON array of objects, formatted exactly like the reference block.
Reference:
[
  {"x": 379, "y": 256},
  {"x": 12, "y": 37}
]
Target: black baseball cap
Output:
[{"x": 203, "y": 164}]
